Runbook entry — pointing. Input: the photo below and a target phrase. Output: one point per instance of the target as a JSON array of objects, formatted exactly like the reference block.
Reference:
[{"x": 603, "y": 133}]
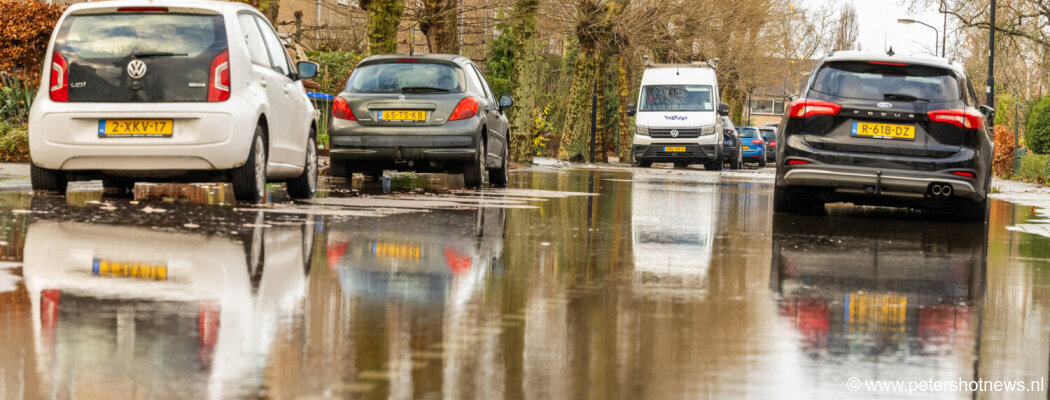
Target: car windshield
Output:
[
  {"x": 768, "y": 132},
  {"x": 676, "y": 98},
  {"x": 101, "y": 36},
  {"x": 403, "y": 77},
  {"x": 887, "y": 81},
  {"x": 747, "y": 131}
]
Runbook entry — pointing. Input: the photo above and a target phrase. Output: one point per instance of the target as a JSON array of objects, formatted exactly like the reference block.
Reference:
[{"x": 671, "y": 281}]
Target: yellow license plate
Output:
[
  {"x": 129, "y": 269},
  {"x": 402, "y": 115},
  {"x": 674, "y": 149},
  {"x": 745, "y": 147},
  {"x": 883, "y": 131},
  {"x": 876, "y": 312},
  {"x": 135, "y": 127},
  {"x": 396, "y": 250}
]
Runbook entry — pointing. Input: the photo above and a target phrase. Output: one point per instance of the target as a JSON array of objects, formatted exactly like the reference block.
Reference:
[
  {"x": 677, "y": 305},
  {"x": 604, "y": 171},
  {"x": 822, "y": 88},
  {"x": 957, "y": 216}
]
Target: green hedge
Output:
[
  {"x": 14, "y": 143},
  {"x": 1034, "y": 168},
  {"x": 1037, "y": 133}
]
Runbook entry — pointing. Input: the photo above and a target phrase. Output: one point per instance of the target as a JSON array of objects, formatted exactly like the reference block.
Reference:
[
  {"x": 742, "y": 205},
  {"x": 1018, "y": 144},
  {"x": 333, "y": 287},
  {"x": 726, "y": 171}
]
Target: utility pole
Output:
[
  {"x": 990, "y": 86},
  {"x": 594, "y": 115},
  {"x": 944, "y": 31}
]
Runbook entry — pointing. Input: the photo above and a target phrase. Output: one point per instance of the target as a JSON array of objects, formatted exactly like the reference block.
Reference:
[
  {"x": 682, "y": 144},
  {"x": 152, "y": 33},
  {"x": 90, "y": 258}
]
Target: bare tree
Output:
[
  {"x": 438, "y": 21},
  {"x": 847, "y": 29}
]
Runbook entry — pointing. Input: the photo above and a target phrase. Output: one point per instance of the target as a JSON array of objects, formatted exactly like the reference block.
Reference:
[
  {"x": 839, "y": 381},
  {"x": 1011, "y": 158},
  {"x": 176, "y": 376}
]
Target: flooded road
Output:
[{"x": 572, "y": 283}]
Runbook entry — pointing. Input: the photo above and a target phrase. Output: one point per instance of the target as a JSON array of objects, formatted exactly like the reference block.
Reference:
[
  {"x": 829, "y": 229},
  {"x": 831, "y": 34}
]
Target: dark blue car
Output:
[{"x": 753, "y": 147}]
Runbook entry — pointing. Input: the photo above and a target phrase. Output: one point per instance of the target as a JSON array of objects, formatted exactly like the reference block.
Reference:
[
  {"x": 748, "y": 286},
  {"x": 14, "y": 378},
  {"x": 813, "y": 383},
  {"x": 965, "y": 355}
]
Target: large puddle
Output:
[{"x": 570, "y": 284}]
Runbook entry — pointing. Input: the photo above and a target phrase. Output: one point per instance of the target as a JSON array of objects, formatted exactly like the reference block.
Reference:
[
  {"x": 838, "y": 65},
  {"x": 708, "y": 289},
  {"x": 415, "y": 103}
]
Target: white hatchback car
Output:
[{"x": 172, "y": 90}]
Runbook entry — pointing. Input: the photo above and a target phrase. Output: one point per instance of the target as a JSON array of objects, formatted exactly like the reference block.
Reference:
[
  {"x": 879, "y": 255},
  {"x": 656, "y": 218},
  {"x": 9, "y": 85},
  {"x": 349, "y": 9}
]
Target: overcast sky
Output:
[{"x": 879, "y": 28}]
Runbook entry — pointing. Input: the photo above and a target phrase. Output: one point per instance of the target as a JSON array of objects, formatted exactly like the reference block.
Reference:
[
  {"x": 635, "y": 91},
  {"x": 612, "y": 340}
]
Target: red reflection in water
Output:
[
  {"x": 457, "y": 262},
  {"x": 811, "y": 317},
  {"x": 939, "y": 324},
  {"x": 208, "y": 329}
]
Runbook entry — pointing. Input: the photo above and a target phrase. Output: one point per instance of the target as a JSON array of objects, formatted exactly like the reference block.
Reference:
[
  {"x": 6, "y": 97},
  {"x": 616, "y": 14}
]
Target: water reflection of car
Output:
[
  {"x": 159, "y": 309},
  {"x": 672, "y": 249},
  {"x": 860, "y": 287},
  {"x": 437, "y": 257}
]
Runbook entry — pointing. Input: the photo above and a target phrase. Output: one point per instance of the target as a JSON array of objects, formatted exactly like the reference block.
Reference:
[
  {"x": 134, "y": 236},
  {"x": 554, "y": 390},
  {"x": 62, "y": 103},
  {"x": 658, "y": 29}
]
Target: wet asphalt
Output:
[{"x": 573, "y": 283}]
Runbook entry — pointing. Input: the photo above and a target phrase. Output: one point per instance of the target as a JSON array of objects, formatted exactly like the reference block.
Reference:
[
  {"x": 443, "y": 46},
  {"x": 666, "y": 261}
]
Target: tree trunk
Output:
[
  {"x": 601, "y": 119},
  {"x": 526, "y": 80},
  {"x": 575, "y": 134},
  {"x": 438, "y": 23},
  {"x": 623, "y": 93},
  {"x": 384, "y": 17}
]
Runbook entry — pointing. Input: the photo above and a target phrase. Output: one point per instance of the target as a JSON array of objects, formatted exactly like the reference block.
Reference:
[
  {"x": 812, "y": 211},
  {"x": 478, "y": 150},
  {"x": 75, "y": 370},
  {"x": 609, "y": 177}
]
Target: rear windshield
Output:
[
  {"x": 676, "y": 98},
  {"x": 175, "y": 50},
  {"x": 402, "y": 77},
  {"x": 768, "y": 131},
  {"x": 120, "y": 35},
  {"x": 747, "y": 131},
  {"x": 868, "y": 81}
]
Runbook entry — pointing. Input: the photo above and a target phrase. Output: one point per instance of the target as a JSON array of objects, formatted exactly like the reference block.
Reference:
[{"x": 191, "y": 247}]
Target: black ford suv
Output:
[{"x": 877, "y": 129}]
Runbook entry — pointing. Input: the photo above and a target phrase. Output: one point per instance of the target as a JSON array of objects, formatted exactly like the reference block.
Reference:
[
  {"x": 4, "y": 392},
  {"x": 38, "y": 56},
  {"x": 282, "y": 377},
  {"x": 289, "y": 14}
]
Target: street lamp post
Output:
[
  {"x": 944, "y": 37},
  {"x": 990, "y": 88},
  {"x": 936, "y": 33}
]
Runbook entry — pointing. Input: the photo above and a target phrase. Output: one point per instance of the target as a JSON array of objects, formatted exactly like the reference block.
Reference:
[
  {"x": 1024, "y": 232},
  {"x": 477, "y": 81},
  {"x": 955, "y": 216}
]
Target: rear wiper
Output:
[
  {"x": 147, "y": 54},
  {"x": 407, "y": 89},
  {"x": 901, "y": 96}
]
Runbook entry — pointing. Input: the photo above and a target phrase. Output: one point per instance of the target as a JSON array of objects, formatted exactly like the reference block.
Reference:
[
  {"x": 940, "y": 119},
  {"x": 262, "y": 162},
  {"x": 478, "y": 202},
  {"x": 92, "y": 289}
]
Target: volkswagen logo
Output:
[
  {"x": 674, "y": 133},
  {"x": 885, "y": 105},
  {"x": 136, "y": 69},
  {"x": 401, "y": 97}
]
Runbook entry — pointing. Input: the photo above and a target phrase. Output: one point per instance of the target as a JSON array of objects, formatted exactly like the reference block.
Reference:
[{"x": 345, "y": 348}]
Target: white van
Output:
[{"x": 677, "y": 117}]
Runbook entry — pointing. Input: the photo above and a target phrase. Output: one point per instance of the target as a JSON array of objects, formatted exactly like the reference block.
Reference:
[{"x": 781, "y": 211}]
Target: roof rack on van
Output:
[{"x": 712, "y": 63}]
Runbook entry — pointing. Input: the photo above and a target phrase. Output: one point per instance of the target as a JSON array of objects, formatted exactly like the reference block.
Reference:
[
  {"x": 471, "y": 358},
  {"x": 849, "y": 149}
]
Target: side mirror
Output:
[
  {"x": 505, "y": 101},
  {"x": 989, "y": 113},
  {"x": 723, "y": 109},
  {"x": 307, "y": 69},
  {"x": 631, "y": 109},
  {"x": 793, "y": 97}
]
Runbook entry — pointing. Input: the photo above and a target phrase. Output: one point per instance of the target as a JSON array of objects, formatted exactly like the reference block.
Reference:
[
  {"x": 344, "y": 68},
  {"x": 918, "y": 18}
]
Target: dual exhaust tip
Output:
[{"x": 940, "y": 190}]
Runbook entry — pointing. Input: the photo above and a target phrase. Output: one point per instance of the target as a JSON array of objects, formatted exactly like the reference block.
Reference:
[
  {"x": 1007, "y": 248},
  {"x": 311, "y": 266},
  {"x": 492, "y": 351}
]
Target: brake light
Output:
[
  {"x": 964, "y": 174},
  {"x": 803, "y": 108},
  {"x": 341, "y": 109},
  {"x": 467, "y": 108},
  {"x": 967, "y": 119},
  {"x": 142, "y": 9},
  {"x": 219, "y": 77},
  {"x": 757, "y": 141},
  {"x": 895, "y": 64},
  {"x": 408, "y": 60},
  {"x": 772, "y": 144},
  {"x": 59, "y": 78},
  {"x": 797, "y": 162}
]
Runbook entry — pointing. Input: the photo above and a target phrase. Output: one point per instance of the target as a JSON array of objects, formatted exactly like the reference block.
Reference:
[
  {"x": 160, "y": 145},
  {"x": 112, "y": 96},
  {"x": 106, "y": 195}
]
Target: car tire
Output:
[
  {"x": 735, "y": 163},
  {"x": 640, "y": 163},
  {"x": 762, "y": 162},
  {"x": 713, "y": 165},
  {"x": 682, "y": 164},
  {"x": 498, "y": 176},
  {"x": 118, "y": 187},
  {"x": 305, "y": 185},
  {"x": 474, "y": 171},
  {"x": 249, "y": 180},
  {"x": 47, "y": 180}
]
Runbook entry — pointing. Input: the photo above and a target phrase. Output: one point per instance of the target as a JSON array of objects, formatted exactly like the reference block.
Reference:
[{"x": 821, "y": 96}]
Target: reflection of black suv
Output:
[{"x": 883, "y": 130}]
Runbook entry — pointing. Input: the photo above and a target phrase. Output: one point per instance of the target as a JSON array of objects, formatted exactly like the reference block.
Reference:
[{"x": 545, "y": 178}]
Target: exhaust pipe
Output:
[
  {"x": 946, "y": 190},
  {"x": 941, "y": 190},
  {"x": 935, "y": 189}
]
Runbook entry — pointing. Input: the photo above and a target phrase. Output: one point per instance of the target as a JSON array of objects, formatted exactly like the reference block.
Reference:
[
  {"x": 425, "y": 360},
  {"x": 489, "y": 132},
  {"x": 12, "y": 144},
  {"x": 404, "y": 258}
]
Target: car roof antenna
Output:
[{"x": 890, "y": 52}]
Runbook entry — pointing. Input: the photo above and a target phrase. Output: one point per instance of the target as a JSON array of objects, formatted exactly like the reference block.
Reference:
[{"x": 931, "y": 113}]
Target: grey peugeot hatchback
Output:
[
  {"x": 878, "y": 129},
  {"x": 425, "y": 113}
]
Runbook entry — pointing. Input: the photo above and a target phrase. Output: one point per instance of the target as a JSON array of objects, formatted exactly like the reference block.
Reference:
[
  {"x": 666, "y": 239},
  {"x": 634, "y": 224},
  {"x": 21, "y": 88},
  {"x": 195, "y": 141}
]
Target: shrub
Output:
[
  {"x": 14, "y": 143},
  {"x": 16, "y": 95},
  {"x": 1037, "y": 133},
  {"x": 24, "y": 33},
  {"x": 1003, "y": 161},
  {"x": 335, "y": 68},
  {"x": 1034, "y": 168},
  {"x": 1004, "y": 111}
]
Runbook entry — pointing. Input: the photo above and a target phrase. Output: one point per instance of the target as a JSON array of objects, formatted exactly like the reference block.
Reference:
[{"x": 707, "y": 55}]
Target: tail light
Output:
[
  {"x": 341, "y": 109},
  {"x": 967, "y": 119},
  {"x": 467, "y": 108},
  {"x": 59, "y": 78},
  {"x": 773, "y": 144},
  {"x": 727, "y": 131},
  {"x": 964, "y": 174},
  {"x": 757, "y": 141},
  {"x": 797, "y": 162},
  {"x": 219, "y": 77},
  {"x": 803, "y": 108},
  {"x": 142, "y": 9}
]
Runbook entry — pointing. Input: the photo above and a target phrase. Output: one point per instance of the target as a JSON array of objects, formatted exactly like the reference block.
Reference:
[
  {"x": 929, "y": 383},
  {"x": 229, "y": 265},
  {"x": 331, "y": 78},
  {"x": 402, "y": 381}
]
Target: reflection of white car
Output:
[
  {"x": 672, "y": 249},
  {"x": 172, "y": 90},
  {"x": 420, "y": 257},
  {"x": 115, "y": 300}
]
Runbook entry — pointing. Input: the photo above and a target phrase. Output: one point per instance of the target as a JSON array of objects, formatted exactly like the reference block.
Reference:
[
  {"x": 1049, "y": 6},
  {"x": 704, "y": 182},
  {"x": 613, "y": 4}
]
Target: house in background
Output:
[{"x": 766, "y": 104}]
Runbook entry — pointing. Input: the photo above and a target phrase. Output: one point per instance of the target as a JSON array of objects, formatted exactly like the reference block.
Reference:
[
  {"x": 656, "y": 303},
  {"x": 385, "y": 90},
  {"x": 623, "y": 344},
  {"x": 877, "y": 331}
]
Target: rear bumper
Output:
[
  {"x": 693, "y": 153},
  {"x": 381, "y": 145},
  {"x": 847, "y": 175},
  {"x": 753, "y": 154}
]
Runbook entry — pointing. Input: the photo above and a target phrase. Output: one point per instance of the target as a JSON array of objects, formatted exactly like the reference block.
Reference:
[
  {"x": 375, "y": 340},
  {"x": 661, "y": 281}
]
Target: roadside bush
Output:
[
  {"x": 14, "y": 143},
  {"x": 1003, "y": 160},
  {"x": 1037, "y": 133},
  {"x": 335, "y": 68},
  {"x": 1034, "y": 168},
  {"x": 24, "y": 32}
]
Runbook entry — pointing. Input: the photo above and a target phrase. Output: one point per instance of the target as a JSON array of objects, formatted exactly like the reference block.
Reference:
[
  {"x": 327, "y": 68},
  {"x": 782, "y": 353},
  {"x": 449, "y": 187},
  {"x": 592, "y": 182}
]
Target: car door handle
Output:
[
  {"x": 287, "y": 89},
  {"x": 262, "y": 83}
]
